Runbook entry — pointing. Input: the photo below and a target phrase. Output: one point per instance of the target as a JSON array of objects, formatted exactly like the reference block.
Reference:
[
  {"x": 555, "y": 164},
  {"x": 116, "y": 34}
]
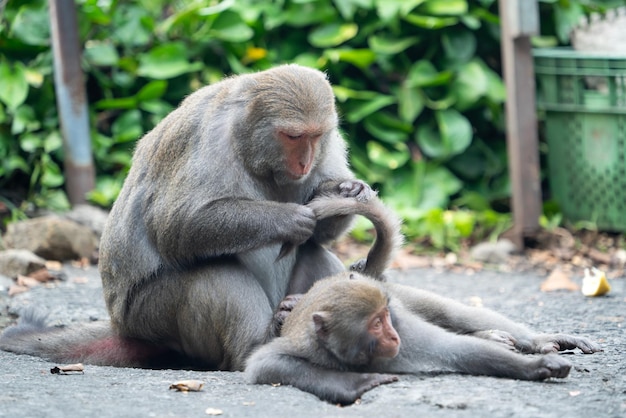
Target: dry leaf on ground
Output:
[
  {"x": 187, "y": 385},
  {"x": 558, "y": 280}
]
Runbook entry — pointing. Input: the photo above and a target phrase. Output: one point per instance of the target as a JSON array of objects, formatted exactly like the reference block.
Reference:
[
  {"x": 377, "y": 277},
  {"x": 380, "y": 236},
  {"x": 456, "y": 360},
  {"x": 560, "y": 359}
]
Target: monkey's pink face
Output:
[
  {"x": 299, "y": 151},
  {"x": 387, "y": 339}
]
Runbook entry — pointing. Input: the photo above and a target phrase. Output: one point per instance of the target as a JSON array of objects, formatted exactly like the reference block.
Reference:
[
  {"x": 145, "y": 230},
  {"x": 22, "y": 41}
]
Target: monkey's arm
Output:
[
  {"x": 229, "y": 226},
  {"x": 484, "y": 323},
  {"x": 426, "y": 346},
  {"x": 273, "y": 364}
]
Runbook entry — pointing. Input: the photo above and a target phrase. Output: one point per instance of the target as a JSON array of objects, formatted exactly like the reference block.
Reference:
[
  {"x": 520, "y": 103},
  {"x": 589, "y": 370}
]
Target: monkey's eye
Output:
[
  {"x": 294, "y": 137},
  {"x": 377, "y": 324}
]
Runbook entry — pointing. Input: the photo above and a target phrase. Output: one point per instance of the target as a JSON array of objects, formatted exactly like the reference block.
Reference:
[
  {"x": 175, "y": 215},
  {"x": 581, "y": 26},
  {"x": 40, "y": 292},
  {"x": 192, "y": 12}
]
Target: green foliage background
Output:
[{"x": 417, "y": 81}]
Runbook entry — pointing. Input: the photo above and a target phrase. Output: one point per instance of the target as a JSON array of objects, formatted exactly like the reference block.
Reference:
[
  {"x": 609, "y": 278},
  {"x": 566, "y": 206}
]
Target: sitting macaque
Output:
[{"x": 350, "y": 333}]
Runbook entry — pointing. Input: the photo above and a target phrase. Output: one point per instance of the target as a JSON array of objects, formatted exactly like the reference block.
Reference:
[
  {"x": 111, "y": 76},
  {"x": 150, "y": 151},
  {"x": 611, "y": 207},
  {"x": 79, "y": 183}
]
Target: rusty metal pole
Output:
[
  {"x": 71, "y": 101},
  {"x": 519, "y": 20}
]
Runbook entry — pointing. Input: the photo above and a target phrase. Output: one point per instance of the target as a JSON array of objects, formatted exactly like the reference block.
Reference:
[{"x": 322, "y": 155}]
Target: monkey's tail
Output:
[
  {"x": 386, "y": 223},
  {"x": 92, "y": 343}
]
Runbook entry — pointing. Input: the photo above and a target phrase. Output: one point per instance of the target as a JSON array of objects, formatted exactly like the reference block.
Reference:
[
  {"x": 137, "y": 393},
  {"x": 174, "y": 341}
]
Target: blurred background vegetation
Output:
[{"x": 418, "y": 84}]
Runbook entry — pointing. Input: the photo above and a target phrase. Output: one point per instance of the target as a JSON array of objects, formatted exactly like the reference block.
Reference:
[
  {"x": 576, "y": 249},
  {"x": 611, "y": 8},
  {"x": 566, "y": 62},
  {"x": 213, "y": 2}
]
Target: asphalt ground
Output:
[{"x": 596, "y": 386}]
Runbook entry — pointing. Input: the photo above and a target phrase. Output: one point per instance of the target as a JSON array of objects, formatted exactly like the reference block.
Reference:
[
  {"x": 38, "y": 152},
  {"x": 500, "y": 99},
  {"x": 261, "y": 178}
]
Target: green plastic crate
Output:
[{"x": 584, "y": 99}]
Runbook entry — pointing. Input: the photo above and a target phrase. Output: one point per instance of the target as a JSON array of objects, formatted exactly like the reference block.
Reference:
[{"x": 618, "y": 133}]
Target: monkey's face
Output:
[
  {"x": 300, "y": 150},
  {"x": 384, "y": 336}
]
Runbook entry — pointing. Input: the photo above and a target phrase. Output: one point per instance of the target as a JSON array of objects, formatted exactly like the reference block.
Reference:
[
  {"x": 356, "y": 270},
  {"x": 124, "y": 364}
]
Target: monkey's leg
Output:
[
  {"x": 224, "y": 318},
  {"x": 463, "y": 319},
  {"x": 272, "y": 364},
  {"x": 214, "y": 315},
  {"x": 426, "y": 347},
  {"x": 313, "y": 262}
]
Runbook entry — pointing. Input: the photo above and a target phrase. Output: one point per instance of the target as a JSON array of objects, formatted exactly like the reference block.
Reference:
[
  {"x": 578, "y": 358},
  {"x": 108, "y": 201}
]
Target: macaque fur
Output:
[
  {"x": 190, "y": 257},
  {"x": 328, "y": 347}
]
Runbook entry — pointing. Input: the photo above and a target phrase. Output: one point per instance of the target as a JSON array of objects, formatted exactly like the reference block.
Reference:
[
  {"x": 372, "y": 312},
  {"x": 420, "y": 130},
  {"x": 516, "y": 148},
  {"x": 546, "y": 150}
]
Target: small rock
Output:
[
  {"x": 89, "y": 216},
  {"x": 493, "y": 252},
  {"x": 52, "y": 238},
  {"x": 619, "y": 258},
  {"x": 17, "y": 262}
]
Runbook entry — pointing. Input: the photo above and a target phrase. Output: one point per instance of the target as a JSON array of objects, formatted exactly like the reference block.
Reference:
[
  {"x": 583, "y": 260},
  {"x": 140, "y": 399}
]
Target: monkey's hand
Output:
[
  {"x": 552, "y": 343},
  {"x": 298, "y": 226},
  {"x": 367, "y": 381},
  {"x": 357, "y": 189}
]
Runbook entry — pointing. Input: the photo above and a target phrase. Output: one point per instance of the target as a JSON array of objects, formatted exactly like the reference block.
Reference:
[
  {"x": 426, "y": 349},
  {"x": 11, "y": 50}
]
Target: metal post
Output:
[
  {"x": 71, "y": 101},
  {"x": 517, "y": 21}
]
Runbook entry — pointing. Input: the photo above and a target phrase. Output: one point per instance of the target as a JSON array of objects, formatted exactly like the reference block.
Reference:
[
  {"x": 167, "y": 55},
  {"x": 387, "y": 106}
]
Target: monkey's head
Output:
[
  {"x": 289, "y": 116},
  {"x": 355, "y": 324}
]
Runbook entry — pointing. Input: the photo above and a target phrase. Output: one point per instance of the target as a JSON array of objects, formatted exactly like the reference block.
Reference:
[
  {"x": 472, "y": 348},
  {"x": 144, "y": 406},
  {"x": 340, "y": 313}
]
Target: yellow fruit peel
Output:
[{"x": 595, "y": 283}]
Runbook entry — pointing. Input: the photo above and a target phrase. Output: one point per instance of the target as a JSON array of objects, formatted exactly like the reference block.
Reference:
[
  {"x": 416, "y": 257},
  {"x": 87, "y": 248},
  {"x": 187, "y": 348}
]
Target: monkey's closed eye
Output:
[{"x": 295, "y": 137}]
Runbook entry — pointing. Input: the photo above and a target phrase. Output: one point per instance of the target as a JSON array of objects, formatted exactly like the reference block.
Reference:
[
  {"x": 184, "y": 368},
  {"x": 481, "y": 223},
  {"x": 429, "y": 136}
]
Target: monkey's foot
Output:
[
  {"x": 357, "y": 189},
  {"x": 359, "y": 267},
  {"x": 550, "y": 365},
  {"x": 552, "y": 343},
  {"x": 282, "y": 312}
]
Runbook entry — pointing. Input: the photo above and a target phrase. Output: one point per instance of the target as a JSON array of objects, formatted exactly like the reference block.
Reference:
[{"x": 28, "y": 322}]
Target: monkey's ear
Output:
[{"x": 320, "y": 319}]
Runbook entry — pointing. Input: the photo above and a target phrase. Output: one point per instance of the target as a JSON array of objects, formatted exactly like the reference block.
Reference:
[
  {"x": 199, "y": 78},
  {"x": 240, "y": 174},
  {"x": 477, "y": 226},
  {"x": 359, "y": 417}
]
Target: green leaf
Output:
[
  {"x": 566, "y": 17},
  {"x": 430, "y": 22},
  {"x": 55, "y": 199},
  {"x": 153, "y": 90},
  {"x": 301, "y": 15},
  {"x": 388, "y": 9},
  {"x": 496, "y": 90},
  {"x": 391, "y": 159},
  {"x": 410, "y": 102},
  {"x": 459, "y": 45},
  {"x": 470, "y": 85},
  {"x": 166, "y": 61},
  {"x": 343, "y": 93},
  {"x": 157, "y": 107},
  {"x": 30, "y": 142},
  {"x": 52, "y": 176},
  {"x": 452, "y": 136},
  {"x": 101, "y": 53},
  {"x": 348, "y": 7},
  {"x": 107, "y": 190},
  {"x": 438, "y": 184},
  {"x": 230, "y": 27},
  {"x": 15, "y": 162},
  {"x": 127, "y": 127},
  {"x": 129, "y": 23},
  {"x": 390, "y": 46},
  {"x": 445, "y": 7},
  {"x": 52, "y": 142},
  {"x": 361, "y": 110},
  {"x": 24, "y": 119},
  {"x": 423, "y": 73},
  {"x": 362, "y": 58},
  {"x": 32, "y": 26},
  {"x": 217, "y": 9},
  {"x": 463, "y": 222},
  {"x": 121, "y": 103},
  {"x": 332, "y": 35},
  {"x": 381, "y": 129},
  {"x": 13, "y": 84}
]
